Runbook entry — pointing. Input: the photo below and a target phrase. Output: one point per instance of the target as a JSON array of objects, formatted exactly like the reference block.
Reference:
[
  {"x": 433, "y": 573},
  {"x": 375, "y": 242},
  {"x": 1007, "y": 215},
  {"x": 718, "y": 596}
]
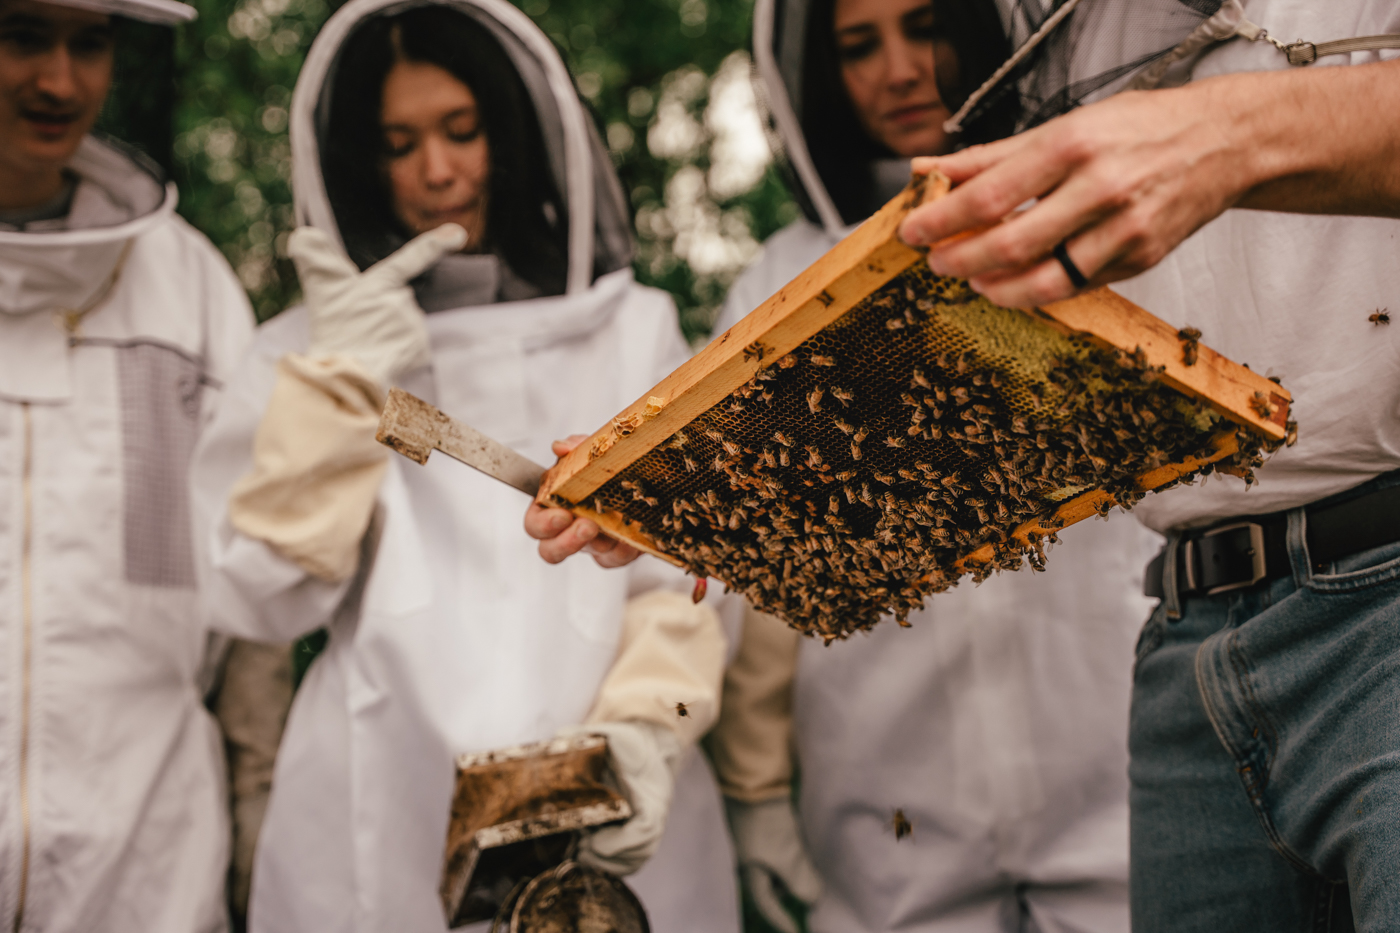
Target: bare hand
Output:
[
  {"x": 1121, "y": 183},
  {"x": 561, "y": 534}
]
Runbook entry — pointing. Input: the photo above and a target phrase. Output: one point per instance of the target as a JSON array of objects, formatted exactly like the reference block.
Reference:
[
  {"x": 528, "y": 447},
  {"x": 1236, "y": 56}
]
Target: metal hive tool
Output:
[{"x": 873, "y": 432}]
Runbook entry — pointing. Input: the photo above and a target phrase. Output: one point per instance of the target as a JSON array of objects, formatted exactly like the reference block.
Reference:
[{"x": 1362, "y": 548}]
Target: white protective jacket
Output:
[
  {"x": 997, "y": 722},
  {"x": 452, "y": 636},
  {"x": 114, "y": 808}
]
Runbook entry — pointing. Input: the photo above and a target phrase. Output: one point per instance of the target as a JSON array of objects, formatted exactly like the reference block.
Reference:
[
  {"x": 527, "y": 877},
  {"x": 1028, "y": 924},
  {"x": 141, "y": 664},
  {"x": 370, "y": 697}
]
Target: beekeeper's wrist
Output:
[
  {"x": 772, "y": 856},
  {"x": 316, "y": 465}
]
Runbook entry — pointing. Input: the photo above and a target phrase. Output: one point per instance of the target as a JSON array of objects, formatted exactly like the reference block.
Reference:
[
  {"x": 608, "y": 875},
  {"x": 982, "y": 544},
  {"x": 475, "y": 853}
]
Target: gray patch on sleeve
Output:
[{"x": 160, "y": 397}]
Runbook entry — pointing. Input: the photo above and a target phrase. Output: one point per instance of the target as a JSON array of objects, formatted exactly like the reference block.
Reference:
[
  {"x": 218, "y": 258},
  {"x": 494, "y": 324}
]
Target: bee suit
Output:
[
  {"x": 448, "y": 634},
  {"x": 996, "y": 722},
  {"x": 118, "y": 325}
]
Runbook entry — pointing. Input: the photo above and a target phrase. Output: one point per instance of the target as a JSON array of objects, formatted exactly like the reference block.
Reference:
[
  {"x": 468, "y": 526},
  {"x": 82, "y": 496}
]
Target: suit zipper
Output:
[{"x": 27, "y": 612}]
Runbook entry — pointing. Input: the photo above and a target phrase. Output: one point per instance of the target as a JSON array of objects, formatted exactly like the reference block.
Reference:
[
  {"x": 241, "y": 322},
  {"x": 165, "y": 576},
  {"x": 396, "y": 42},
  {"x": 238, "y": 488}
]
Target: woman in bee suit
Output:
[
  {"x": 118, "y": 324},
  {"x": 996, "y": 725},
  {"x": 462, "y": 236}
]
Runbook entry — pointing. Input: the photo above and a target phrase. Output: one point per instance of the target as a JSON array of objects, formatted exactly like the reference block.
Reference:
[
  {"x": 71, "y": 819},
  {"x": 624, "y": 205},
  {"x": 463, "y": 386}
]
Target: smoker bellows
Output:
[{"x": 873, "y": 432}]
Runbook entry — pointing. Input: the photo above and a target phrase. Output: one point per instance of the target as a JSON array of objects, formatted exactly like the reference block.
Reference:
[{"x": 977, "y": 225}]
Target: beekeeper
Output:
[
  {"x": 996, "y": 726},
  {"x": 1264, "y": 748},
  {"x": 463, "y": 236},
  {"x": 118, "y": 325}
]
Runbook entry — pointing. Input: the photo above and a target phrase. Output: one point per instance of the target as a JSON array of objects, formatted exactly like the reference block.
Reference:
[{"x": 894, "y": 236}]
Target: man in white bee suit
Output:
[
  {"x": 118, "y": 325},
  {"x": 447, "y": 634},
  {"x": 1264, "y": 749},
  {"x": 996, "y": 723}
]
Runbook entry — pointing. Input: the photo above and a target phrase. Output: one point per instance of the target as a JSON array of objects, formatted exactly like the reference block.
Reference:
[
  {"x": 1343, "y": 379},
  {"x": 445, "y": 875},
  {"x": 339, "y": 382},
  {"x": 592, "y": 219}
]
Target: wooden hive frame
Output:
[{"x": 867, "y": 259}]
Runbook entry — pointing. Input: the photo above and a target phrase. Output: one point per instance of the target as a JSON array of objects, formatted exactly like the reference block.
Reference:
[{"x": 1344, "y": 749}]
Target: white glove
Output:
[
  {"x": 645, "y": 758},
  {"x": 772, "y": 858},
  {"x": 371, "y": 315}
]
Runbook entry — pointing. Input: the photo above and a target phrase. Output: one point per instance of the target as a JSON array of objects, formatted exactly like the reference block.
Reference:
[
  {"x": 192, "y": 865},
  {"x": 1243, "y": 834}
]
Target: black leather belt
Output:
[{"x": 1243, "y": 552}]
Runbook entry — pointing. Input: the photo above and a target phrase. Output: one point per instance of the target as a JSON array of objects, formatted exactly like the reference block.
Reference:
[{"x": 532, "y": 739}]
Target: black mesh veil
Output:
[{"x": 1098, "y": 49}]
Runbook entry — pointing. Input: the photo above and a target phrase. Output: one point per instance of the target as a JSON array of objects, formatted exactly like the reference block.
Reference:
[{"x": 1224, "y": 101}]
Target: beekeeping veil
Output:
[
  {"x": 580, "y": 198},
  {"x": 839, "y": 175}
]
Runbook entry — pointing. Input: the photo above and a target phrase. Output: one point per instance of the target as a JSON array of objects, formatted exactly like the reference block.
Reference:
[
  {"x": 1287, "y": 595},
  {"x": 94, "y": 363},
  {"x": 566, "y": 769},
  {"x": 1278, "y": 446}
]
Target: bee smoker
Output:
[{"x": 517, "y": 814}]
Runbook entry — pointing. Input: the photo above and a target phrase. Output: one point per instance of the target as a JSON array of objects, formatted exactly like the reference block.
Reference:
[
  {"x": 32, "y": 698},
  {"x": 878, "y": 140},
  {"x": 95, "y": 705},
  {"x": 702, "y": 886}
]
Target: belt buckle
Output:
[{"x": 1256, "y": 555}]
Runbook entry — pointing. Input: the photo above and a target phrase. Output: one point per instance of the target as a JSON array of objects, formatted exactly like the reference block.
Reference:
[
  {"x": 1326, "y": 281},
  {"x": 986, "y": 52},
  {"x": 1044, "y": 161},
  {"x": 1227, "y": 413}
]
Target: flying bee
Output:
[
  {"x": 1380, "y": 316},
  {"x": 814, "y": 399},
  {"x": 844, "y": 396}
]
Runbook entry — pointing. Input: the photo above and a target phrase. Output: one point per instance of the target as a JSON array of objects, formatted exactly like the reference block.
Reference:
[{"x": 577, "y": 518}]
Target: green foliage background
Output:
[{"x": 634, "y": 59}]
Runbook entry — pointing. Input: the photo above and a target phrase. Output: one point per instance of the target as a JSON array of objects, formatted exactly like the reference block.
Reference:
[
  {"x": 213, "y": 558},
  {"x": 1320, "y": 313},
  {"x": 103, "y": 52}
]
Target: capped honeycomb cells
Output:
[{"x": 845, "y": 481}]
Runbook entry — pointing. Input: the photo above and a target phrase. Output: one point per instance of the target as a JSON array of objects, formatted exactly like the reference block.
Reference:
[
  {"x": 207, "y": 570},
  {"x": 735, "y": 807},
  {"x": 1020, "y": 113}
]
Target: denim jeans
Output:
[{"x": 1265, "y": 744}]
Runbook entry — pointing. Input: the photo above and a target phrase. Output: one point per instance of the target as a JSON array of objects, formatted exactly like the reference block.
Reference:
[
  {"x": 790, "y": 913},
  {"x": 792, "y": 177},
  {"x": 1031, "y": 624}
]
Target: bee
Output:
[
  {"x": 895, "y": 441},
  {"x": 783, "y": 459},
  {"x": 817, "y": 360},
  {"x": 846, "y": 476},
  {"x": 814, "y": 457},
  {"x": 895, "y": 323},
  {"x": 844, "y": 396},
  {"x": 919, "y": 380},
  {"x": 1190, "y": 338},
  {"x": 1380, "y": 316},
  {"x": 682, "y": 711},
  {"x": 842, "y": 426},
  {"x": 787, "y": 362},
  {"x": 1262, "y": 406},
  {"x": 855, "y": 451},
  {"x": 782, "y": 438},
  {"x": 814, "y": 399}
]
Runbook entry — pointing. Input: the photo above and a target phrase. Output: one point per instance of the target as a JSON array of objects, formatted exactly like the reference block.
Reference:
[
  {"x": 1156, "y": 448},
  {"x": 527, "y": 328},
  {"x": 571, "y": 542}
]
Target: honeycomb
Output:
[{"x": 853, "y": 477}]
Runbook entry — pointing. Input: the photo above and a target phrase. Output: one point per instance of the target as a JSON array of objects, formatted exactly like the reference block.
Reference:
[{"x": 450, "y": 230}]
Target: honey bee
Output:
[
  {"x": 814, "y": 399},
  {"x": 844, "y": 396},
  {"x": 1189, "y": 337},
  {"x": 901, "y": 825},
  {"x": 1262, "y": 406},
  {"x": 682, "y": 711},
  {"x": 895, "y": 442},
  {"x": 1380, "y": 316},
  {"x": 842, "y": 426},
  {"x": 817, "y": 360},
  {"x": 919, "y": 379},
  {"x": 782, "y": 438}
]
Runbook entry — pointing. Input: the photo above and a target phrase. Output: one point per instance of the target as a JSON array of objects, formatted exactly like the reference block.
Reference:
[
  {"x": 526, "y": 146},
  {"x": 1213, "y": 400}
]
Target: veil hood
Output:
[{"x": 599, "y": 230}]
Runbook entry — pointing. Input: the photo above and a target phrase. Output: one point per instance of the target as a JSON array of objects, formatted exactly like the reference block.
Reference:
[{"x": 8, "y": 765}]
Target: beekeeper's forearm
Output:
[
  {"x": 669, "y": 666},
  {"x": 751, "y": 745},
  {"x": 316, "y": 466},
  {"x": 1317, "y": 140}
]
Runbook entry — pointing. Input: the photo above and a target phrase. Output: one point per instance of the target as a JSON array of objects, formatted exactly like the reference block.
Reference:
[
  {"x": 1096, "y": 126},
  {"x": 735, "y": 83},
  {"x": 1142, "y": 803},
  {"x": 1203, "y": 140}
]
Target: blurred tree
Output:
[{"x": 667, "y": 79}]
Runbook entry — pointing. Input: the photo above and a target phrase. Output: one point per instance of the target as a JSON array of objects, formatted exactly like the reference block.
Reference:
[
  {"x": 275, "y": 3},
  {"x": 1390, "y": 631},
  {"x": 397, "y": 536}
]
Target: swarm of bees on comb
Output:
[
  {"x": 874, "y": 432},
  {"x": 848, "y": 479}
]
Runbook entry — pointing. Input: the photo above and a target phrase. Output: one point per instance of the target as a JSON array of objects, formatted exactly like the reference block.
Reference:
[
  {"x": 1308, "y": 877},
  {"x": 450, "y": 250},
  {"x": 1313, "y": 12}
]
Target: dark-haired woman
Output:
[
  {"x": 462, "y": 236},
  {"x": 969, "y": 773}
]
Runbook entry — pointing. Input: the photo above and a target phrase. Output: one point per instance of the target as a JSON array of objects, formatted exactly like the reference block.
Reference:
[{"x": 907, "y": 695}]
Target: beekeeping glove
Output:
[
  {"x": 772, "y": 857},
  {"x": 645, "y": 758},
  {"x": 316, "y": 466},
  {"x": 660, "y": 695},
  {"x": 372, "y": 315}
]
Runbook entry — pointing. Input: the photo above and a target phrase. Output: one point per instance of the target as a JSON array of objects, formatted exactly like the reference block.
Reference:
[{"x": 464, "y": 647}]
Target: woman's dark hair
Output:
[
  {"x": 969, "y": 45},
  {"x": 526, "y": 222}
]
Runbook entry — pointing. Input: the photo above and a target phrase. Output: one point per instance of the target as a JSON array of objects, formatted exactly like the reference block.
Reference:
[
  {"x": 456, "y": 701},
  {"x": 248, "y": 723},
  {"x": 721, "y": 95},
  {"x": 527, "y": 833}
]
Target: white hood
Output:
[
  {"x": 49, "y": 280},
  {"x": 597, "y": 215},
  {"x": 63, "y": 270}
]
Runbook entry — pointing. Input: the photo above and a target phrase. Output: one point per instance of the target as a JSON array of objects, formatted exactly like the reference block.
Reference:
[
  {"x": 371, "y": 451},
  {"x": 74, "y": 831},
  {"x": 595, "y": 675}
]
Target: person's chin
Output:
[{"x": 47, "y": 147}]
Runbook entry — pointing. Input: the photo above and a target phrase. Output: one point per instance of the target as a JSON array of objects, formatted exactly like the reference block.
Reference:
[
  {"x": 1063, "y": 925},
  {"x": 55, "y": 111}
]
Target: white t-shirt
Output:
[{"x": 1291, "y": 295}]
